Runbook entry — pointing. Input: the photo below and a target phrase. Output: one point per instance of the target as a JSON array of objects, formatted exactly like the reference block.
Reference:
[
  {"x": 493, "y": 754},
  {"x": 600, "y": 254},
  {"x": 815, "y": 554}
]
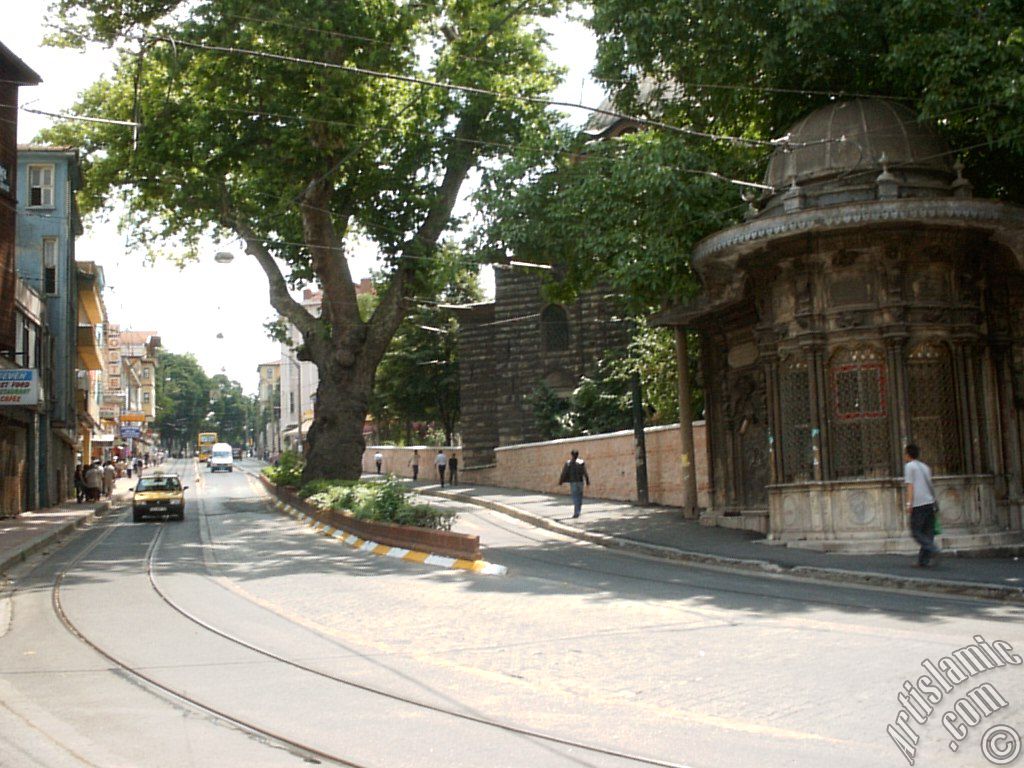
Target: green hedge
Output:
[
  {"x": 287, "y": 471},
  {"x": 385, "y": 500}
]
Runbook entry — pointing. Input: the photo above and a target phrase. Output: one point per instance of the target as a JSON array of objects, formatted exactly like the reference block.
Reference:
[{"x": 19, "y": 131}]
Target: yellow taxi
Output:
[{"x": 159, "y": 494}]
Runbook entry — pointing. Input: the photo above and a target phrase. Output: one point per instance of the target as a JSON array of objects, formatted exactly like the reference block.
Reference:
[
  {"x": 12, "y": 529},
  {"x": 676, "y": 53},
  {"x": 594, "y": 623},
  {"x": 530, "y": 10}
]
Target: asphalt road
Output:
[{"x": 238, "y": 638}]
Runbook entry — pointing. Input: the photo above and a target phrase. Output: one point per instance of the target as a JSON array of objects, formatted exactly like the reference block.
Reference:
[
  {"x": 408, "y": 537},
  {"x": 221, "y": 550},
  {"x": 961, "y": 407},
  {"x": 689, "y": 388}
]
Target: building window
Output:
[
  {"x": 795, "y": 396},
  {"x": 554, "y": 328},
  {"x": 27, "y": 346},
  {"x": 145, "y": 374},
  {"x": 934, "y": 425},
  {"x": 145, "y": 398},
  {"x": 50, "y": 265},
  {"x": 291, "y": 402},
  {"x": 859, "y": 414},
  {"x": 40, "y": 186}
]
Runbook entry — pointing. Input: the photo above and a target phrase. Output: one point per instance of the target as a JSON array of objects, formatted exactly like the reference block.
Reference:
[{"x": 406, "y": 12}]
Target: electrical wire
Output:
[{"x": 468, "y": 89}]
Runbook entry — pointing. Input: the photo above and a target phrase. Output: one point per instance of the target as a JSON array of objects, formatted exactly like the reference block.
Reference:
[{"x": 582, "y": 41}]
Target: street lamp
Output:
[{"x": 223, "y": 257}]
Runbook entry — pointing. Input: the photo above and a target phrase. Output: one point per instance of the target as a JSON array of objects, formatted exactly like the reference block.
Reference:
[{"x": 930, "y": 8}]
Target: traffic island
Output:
[{"x": 446, "y": 549}]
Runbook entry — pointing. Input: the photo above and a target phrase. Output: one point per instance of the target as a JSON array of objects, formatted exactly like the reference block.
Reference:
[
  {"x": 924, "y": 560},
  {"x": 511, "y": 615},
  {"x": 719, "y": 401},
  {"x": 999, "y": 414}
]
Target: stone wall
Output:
[
  {"x": 512, "y": 347},
  {"x": 609, "y": 459}
]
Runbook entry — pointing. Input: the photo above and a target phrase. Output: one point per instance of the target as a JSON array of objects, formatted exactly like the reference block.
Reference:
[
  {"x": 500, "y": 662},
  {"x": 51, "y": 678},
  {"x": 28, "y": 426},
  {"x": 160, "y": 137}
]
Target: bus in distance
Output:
[{"x": 206, "y": 441}]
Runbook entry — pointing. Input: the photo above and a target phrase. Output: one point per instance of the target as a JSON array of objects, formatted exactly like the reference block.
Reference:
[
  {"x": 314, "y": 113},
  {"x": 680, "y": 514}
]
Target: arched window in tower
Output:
[
  {"x": 859, "y": 413},
  {"x": 554, "y": 328},
  {"x": 797, "y": 444}
]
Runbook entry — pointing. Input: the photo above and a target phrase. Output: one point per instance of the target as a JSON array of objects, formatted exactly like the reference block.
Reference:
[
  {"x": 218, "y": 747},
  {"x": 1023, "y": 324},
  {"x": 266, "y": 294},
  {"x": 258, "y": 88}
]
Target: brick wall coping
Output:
[{"x": 591, "y": 438}]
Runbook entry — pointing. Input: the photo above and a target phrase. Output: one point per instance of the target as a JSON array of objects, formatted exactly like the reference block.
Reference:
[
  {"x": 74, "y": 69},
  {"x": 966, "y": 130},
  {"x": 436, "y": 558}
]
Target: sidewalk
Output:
[
  {"x": 661, "y": 532},
  {"x": 31, "y": 531}
]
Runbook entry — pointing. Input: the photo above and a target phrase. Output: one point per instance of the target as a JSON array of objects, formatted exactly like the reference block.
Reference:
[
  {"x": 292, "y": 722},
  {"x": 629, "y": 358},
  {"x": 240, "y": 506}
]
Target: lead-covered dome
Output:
[{"x": 839, "y": 152}]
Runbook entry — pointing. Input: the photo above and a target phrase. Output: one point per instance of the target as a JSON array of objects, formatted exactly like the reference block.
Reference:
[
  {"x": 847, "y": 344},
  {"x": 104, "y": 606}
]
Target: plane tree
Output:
[
  {"x": 182, "y": 399},
  {"x": 292, "y": 125}
]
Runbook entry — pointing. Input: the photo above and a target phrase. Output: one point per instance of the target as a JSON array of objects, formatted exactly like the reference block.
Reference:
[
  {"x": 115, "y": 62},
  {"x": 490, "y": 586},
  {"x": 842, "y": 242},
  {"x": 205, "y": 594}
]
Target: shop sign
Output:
[
  {"x": 108, "y": 412},
  {"x": 131, "y": 432},
  {"x": 132, "y": 417},
  {"x": 19, "y": 386}
]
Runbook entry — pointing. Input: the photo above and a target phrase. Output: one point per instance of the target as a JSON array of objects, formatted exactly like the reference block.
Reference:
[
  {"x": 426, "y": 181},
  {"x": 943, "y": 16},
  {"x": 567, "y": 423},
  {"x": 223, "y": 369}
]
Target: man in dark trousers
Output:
[
  {"x": 453, "y": 469},
  {"x": 920, "y": 503},
  {"x": 574, "y": 472}
]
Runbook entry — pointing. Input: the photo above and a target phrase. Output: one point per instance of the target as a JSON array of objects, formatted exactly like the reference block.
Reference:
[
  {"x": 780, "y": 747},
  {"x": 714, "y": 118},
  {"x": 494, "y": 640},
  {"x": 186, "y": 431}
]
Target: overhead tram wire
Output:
[{"x": 468, "y": 89}]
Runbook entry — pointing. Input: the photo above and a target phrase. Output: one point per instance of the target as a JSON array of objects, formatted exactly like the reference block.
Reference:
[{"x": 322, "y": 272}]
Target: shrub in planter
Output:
[
  {"x": 382, "y": 501},
  {"x": 288, "y": 470}
]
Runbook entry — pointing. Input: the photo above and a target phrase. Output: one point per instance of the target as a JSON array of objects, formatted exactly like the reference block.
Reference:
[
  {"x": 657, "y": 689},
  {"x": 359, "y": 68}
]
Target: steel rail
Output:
[
  {"x": 465, "y": 716},
  {"x": 304, "y": 751}
]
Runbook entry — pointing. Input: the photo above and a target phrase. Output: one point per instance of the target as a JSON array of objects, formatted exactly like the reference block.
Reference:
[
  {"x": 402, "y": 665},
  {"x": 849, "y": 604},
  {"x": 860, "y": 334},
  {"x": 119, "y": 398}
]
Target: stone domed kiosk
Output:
[{"x": 869, "y": 300}]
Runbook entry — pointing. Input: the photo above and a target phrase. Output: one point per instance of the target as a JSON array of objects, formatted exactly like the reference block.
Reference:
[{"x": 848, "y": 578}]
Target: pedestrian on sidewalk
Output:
[
  {"x": 79, "y": 484},
  {"x": 93, "y": 481},
  {"x": 574, "y": 472},
  {"x": 378, "y": 458},
  {"x": 108, "y": 478},
  {"x": 920, "y": 503},
  {"x": 414, "y": 462},
  {"x": 138, "y": 467},
  {"x": 441, "y": 460},
  {"x": 453, "y": 470}
]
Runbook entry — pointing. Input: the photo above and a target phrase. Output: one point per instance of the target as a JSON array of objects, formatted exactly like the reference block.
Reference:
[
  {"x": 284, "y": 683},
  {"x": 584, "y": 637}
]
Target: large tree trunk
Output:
[{"x": 335, "y": 442}]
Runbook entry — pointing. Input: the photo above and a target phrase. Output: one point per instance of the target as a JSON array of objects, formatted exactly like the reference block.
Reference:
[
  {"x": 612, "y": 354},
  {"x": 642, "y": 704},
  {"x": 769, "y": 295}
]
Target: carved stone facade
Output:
[
  {"x": 508, "y": 348},
  {"x": 869, "y": 302}
]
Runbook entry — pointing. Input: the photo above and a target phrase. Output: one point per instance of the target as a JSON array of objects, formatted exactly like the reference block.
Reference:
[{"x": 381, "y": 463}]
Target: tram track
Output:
[{"x": 306, "y": 751}]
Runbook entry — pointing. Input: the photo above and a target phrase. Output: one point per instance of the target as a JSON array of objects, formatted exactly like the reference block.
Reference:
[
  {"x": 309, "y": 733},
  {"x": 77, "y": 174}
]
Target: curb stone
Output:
[
  {"x": 57, "y": 531},
  {"x": 385, "y": 550},
  {"x": 982, "y": 590}
]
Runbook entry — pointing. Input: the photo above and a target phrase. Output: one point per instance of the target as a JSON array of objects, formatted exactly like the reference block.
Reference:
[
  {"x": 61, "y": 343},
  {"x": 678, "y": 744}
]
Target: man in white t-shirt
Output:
[
  {"x": 920, "y": 503},
  {"x": 441, "y": 460}
]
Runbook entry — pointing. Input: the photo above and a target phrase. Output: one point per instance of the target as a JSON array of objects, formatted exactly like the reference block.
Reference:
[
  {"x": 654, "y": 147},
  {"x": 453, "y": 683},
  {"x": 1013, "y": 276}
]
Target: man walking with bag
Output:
[
  {"x": 574, "y": 472},
  {"x": 921, "y": 505}
]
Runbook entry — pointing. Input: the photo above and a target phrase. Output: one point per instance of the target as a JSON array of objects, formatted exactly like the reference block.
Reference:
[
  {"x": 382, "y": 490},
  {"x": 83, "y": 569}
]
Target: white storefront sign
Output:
[{"x": 19, "y": 386}]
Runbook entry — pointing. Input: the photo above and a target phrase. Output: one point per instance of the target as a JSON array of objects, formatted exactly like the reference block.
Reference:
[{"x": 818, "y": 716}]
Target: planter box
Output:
[{"x": 458, "y": 545}]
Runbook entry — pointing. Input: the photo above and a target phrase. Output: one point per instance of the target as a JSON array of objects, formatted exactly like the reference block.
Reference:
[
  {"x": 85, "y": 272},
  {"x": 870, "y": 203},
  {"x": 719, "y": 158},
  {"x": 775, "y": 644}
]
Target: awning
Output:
[{"x": 293, "y": 431}]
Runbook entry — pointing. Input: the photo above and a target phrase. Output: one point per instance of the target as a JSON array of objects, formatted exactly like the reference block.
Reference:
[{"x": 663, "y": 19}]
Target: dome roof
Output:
[{"x": 847, "y": 137}]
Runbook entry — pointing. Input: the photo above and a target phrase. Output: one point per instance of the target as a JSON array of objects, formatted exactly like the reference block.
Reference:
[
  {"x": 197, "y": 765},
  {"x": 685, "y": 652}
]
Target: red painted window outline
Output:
[{"x": 860, "y": 415}]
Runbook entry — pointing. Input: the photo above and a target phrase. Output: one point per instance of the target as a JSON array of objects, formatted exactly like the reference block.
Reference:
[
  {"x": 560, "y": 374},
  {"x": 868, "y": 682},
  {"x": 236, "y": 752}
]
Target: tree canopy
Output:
[
  {"x": 753, "y": 67},
  {"x": 293, "y": 124},
  {"x": 627, "y": 211}
]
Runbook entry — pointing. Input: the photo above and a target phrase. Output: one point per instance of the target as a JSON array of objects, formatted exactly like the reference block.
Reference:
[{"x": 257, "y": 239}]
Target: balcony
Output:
[{"x": 90, "y": 355}]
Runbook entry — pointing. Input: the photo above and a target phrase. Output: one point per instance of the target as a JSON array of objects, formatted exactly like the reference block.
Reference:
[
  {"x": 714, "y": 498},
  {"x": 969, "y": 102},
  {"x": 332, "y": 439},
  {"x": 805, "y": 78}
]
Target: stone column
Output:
[
  {"x": 898, "y": 392},
  {"x": 819, "y": 412},
  {"x": 687, "y": 458}
]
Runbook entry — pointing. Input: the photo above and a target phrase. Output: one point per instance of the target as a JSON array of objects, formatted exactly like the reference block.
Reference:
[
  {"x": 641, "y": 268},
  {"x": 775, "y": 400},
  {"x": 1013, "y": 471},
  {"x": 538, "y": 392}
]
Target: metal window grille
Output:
[
  {"x": 797, "y": 448},
  {"x": 859, "y": 414},
  {"x": 933, "y": 417}
]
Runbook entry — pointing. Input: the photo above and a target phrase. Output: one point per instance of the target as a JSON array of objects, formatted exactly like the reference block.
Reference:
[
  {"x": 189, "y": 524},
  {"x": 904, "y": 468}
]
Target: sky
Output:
[{"x": 215, "y": 311}]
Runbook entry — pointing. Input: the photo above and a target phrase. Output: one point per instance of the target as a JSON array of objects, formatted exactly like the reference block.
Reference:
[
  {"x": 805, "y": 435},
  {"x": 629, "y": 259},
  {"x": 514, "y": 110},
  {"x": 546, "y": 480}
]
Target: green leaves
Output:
[
  {"x": 623, "y": 212},
  {"x": 754, "y": 67}
]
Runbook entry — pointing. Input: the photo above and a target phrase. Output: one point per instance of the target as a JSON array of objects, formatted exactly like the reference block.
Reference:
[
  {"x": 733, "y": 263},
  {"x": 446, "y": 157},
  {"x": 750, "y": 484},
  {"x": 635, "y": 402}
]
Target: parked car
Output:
[{"x": 159, "y": 494}]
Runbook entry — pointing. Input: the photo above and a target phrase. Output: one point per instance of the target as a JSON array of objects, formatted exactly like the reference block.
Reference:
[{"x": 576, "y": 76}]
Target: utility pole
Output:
[
  {"x": 686, "y": 427},
  {"x": 640, "y": 442}
]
